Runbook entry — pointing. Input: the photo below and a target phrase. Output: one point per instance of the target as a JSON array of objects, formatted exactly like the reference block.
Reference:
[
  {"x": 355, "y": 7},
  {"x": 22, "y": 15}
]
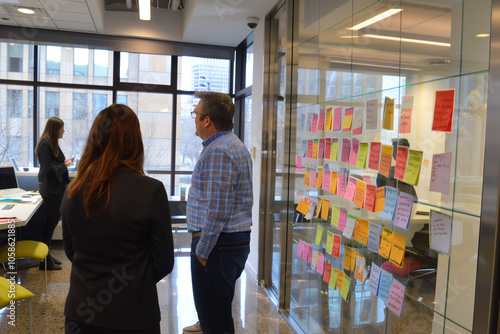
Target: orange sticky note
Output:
[
  {"x": 340, "y": 279},
  {"x": 346, "y": 125},
  {"x": 319, "y": 178},
  {"x": 349, "y": 253},
  {"x": 320, "y": 202},
  {"x": 401, "y": 160},
  {"x": 303, "y": 207},
  {"x": 307, "y": 177},
  {"x": 315, "y": 149},
  {"x": 328, "y": 125},
  {"x": 379, "y": 199},
  {"x": 385, "y": 243},
  {"x": 385, "y": 160},
  {"x": 325, "y": 209},
  {"x": 398, "y": 249},
  {"x": 359, "y": 195},
  {"x": 333, "y": 182},
  {"x": 361, "y": 229},
  {"x": 443, "y": 110}
]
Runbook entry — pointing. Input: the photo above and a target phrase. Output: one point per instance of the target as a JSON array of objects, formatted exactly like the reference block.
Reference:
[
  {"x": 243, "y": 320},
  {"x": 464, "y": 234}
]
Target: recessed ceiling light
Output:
[
  {"x": 483, "y": 35},
  {"x": 25, "y": 10}
]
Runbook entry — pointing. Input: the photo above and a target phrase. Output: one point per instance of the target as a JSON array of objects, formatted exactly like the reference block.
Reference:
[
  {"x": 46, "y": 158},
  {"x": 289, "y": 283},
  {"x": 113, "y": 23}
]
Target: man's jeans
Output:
[{"x": 213, "y": 285}]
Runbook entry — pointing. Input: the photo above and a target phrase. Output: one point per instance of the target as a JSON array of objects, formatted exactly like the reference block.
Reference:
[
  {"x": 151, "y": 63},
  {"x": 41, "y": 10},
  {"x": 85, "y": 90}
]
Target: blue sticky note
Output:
[
  {"x": 384, "y": 286},
  {"x": 391, "y": 202},
  {"x": 374, "y": 278}
]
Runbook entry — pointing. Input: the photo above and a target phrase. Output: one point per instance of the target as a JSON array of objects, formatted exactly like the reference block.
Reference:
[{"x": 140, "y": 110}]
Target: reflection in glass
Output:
[{"x": 80, "y": 62}]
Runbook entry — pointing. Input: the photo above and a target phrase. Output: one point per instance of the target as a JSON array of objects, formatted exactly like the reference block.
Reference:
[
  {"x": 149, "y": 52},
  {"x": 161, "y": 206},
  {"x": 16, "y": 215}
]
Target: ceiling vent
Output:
[{"x": 132, "y": 6}]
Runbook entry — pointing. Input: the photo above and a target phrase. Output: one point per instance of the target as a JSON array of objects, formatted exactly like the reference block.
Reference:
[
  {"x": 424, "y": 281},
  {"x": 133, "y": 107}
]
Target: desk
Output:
[{"x": 23, "y": 211}]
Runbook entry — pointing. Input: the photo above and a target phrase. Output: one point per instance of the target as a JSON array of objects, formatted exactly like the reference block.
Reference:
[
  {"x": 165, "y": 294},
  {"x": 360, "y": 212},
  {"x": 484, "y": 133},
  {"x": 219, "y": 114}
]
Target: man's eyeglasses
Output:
[{"x": 193, "y": 114}]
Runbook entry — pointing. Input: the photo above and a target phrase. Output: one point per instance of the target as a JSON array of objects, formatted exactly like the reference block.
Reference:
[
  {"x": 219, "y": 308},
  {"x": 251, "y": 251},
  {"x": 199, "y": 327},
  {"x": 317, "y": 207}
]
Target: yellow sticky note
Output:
[
  {"x": 362, "y": 155},
  {"x": 320, "y": 202},
  {"x": 335, "y": 216},
  {"x": 380, "y": 199},
  {"x": 307, "y": 177},
  {"x": 325, "y": 210},
  {"x": 345, "y": 287},
  {"x": 315, "y": 149},
  {"x": 328, "y": 125},
  {"x": 303, "y": 207},
  {"x": 334, "y": 149},
  {"x": 413, "y": 167},
  {"x": 398, "y": 249},
  {"x": 385, "y": 160},
  {"x": 333, "y": 182},
  {"x": 329, "y": 242},
  {"x": 349, "y": 253},
  {"x": 319, "y": 178},
  {"x": 385, "y": 243},
  {"x": 333, "y": 278},
  {"x": 361, "y": 229},
  {"x": 319, "y": 235},
  {"x": 388, "y": 121}
]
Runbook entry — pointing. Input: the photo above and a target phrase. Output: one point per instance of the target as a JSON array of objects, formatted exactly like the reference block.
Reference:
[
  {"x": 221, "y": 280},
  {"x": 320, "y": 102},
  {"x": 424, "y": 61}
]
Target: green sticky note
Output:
[
  {"x": 319, "y": 234},
  {"x": 335, "y": 216},
  {"x": 362, "y": 154},
  {"x": 329, "y": 242},
  {"x": 333, "y": 278},
  {"x": 345, "y": 287}
]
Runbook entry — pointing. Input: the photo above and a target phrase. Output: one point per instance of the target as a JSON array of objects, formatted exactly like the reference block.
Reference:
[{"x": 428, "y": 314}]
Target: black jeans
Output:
[{"x": 53, "y": 206}]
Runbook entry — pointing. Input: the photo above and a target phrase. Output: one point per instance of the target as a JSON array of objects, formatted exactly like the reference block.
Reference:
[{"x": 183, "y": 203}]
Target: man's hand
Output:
[{"x": 202, "y": 261}]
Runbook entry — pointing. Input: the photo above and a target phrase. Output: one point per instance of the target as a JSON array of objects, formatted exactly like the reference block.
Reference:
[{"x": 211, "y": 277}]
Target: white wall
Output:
[{"x": 252, "y": 265}]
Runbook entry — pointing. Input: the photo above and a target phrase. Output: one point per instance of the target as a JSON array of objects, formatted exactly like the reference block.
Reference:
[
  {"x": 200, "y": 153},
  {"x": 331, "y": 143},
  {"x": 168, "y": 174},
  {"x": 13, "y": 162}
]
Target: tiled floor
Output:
[{"x": 252, "y": 309}]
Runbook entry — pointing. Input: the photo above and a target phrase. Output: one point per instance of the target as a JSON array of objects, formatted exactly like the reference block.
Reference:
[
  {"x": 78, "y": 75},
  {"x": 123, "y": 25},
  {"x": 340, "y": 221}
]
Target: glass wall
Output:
[
  {"x": 386, "y": 164},
  {"x": 76, "y": 83}
]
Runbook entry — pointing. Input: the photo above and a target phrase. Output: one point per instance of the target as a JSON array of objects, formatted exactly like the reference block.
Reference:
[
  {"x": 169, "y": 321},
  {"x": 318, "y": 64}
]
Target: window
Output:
[
  {"x": 203, "y": 74},
  {"x": 145, "y": 68},
  {"x": 15, "y": 57},
  {"x": 14, "y": 102},
  {"x": 80, "y": 106},
  {"x": 81, "y": 62},
  {"x": 53, "y": 60},
  {"x": 122, "y": 99},
  {"x": 100, "y": 101},
  {"x": 51, "y": 104},
  {"x": 249, "y": 66},
  {"x": 101, "y": 63},
  {"x": 30, "y": 104}
]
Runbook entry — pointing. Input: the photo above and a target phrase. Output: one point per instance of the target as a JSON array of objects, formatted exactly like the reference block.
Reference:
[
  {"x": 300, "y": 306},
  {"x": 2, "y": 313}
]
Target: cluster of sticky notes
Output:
[
  {"x": 335, "y": 278},
  {"x": 388, "y": 289}
]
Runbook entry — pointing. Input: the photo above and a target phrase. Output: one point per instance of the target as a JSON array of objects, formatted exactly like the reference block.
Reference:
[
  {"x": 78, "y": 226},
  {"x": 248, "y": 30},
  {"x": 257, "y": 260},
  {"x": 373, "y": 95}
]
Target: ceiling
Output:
[{"x": 214, "y": 22}]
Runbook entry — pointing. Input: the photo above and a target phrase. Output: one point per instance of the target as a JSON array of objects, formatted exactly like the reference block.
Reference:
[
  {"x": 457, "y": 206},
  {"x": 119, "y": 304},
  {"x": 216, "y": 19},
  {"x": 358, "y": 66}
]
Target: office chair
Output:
[
  {"x": 21, "y": 293},
  {"x": 28, "y": 249}
]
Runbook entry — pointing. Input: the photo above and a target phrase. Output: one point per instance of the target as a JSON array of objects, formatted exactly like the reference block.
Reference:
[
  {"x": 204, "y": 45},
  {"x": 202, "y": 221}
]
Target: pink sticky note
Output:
[
  {"x": 373, "y": 160},
  {"x": 341, "y": 183},
  {"x": 327, "y": 174},
  {"x": 312, "y": 180},
  {"x": 353, "y": 154},
  {"x": 337, "y": 119},
  {"x": 342, "y": 219},
  {"x": 346, "y": 148},
  {"x": 309, "y": 151},
  {"x": 321, "y": 263},
  {"x": 299, "y": 163},
  {"x": 440, "y": 177},
  {"x": 314, "y": 124},
  {"x": 321, "y": 148},
  {"x": 309, "y": 253},
  {"x": 401, "y": 159},
  {"x": 328, "y": 147},
  {"x": 351, "y": 189},
  {"x": 300, "y": 249},
  {"x": 321, "y": 122},
  {"x": 396, "y": 297}
]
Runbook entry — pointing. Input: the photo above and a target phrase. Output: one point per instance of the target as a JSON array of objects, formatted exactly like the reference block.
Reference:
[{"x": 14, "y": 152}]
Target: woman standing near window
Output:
[{"x": 52, "y": 180}]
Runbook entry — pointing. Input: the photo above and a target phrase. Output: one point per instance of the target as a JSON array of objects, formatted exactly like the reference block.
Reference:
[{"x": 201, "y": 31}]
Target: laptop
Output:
[{"x": 8, "y": 181}]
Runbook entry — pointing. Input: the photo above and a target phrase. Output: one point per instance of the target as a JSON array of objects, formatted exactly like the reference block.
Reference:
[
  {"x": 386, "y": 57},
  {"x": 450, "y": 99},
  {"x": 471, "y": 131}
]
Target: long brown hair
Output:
[
  {"x": 114, "y": 144},
  {"x": 51, "y": 134}
]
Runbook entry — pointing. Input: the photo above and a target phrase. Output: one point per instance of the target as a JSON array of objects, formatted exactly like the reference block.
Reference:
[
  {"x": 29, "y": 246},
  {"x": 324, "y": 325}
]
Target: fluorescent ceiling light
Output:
[
  {"x": 483, "y": 35},
  {"x": 376, "y": 18},
  {"x": 25, "y": 10},
  {"x": 145, "y": 10},
  {"x": 408, "y": 40},
  {"x": 374, "y": 65}
]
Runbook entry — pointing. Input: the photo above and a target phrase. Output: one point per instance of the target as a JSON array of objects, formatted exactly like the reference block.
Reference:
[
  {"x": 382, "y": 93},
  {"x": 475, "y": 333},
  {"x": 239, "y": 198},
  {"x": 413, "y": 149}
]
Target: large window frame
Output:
[{"x": 118, "y": 45}]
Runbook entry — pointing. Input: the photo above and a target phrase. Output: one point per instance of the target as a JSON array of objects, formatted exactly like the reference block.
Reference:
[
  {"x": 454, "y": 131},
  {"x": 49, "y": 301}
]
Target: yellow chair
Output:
[
  {"x": 27, "y": 249},
  {"x": 14, "y": 292}
]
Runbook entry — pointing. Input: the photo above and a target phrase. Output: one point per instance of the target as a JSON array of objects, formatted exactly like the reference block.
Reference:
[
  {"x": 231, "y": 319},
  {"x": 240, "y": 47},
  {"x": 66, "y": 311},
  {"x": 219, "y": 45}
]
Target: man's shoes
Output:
[
  {"x": 195, "y": 329},
  {"x": 51, "y": 265},
  {"x": 56, "y": 261}
]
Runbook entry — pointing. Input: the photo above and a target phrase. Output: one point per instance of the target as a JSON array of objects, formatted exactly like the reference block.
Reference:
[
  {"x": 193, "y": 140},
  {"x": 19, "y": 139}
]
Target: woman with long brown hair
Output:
[
  {"x": 52, "y": 180},
  {"x": 117, "y": 232}
]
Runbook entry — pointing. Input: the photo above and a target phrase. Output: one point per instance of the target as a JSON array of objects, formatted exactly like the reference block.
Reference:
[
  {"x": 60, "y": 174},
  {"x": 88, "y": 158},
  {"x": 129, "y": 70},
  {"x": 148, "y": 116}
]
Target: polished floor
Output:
[{"x": 253, "y": 311}]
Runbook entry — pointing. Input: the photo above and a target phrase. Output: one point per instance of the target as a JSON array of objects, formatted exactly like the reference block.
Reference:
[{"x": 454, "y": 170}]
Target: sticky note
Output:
[
  {"x": 329, "y": 118},
  {"x": 314, "y": 122},
  {"x": 349, "y": 254},
  {"x": 361, "y": 229},
  {"x": 303, "y": 207},
  {"x": 385, "y": 160},
  {"x": 388, "y": 121},
  {"x": 320, "y": 267},
  {"x": 359, "y": 195},
  {"x": 401, "y": 159},
  {"x": 440, "y": 175},
  {"x": 319, "y": 235},
  {"x": 346, "y": 149},
  {"x": 384, "y": 286},
  {"x": 299, "y": 163},
  {"x": 325, "y": 209},
  {"x": 337, "y": 238},
  {"x": 337, "y": 118},
  {"x": 440, "y": 232},
  {"x": 373, "y": 237},
  {"x": 405, "y": 117},
  {"x": 341, "y": 182},
  {"x": 333, "y": 278},
  {"x": 329, "y": 242},
  {"x": 375, "y": 273},
  {"x": 360, "y": 270},
  {"x": 340, "y": 279},
  {"x": 314, "y": 260},
  {"x": 371, "y": 114},
  {"x": 412, "y": 173},
  {"x": 396, "y": 297},
  {"x": 443, "y": 110},
  {"x": 353, "y": 153},
  {"x": 319, "y": 178},
  {"x": 342, "y": 219},
  {"x": 370, "y": 197},
  {"x": 380, "y": 199},
  {"x": 334, "y": 149},
  {"x": 321, "y": 121},
  {"x": 346, "y": 125},
  {"x": 385, "y": 243},
  {"x": 307, "y": 177},
  {"x": 300, "y": 248},
  {"x": 345, "y": 288},
  {"x": 397, "y": 249},
  {"x": 357, "y": 122},
  {"x": 321, "y": 148},
  {"x": 391, "y": 202},
  {"x": 373, "y": 161},
  {"x": 309, "y": 151},
  {"x": 362, "y": 154},
  {"x": 403, "y": 210},
  {"x": 333, "y": 182},
  {"x": 351, "y": 188},
  {"x": 328, "y": 147},
  {"x": 320, "y": 203},
  {"x": 349, "y": 226},
  {"x": 335, "y": 215},
  {"x": 315, "y": 149},
  {"x": 328, "y": 272}
]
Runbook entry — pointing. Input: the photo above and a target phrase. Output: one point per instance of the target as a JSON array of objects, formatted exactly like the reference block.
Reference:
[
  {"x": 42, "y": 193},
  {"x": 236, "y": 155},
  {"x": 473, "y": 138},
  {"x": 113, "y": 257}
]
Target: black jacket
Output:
[
  {"x": 53, "y": 174},
  {"x": 119, "y": 254}
]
